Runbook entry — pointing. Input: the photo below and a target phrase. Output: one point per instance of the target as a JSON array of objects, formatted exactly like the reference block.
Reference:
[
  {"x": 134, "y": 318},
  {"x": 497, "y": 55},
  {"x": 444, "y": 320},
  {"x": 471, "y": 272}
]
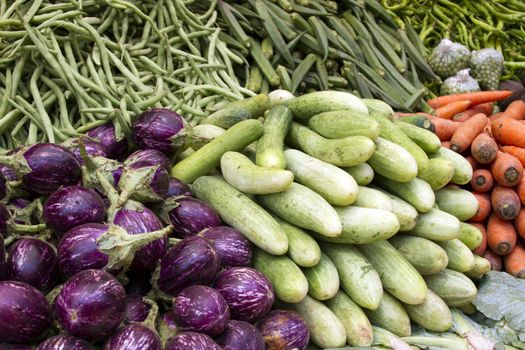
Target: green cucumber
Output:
[
  {"x": 439, "y": 173},
  {"x": 239, "y": 171},
  {"x": 242, "y": 213},
  {"x": 332, "y": 183},
  {"x": 270, "y": 147},
  {"x": 417, "y": 192},
  {"x": 372, "y": 198},
  {"x": 339, "y": 124},
  {"x": 418, "y": 120},
  {"x": 287, "y": 279},
  {"x": 481, "y": 267},
  {"x": 303, "y": 207},
  {"x": 433, "y": 314},
  {"x": 405, "y": 213},
  {"x": 363, "y": 173},
  {"x": 458, "y": 202},
  {"x": 302, "y": 248},
  {"x": 357, "y": 326},
  {"x": 390, "y": 315},
  {"x": 207, "y": 158},
  {"x": 398, "y": 277},
  {"x": 393, "y": 161},
  {"x": 436, "y": 225},
  {"x": 462, "y": 168},
  {"x": 470, "y": 235},
  {"x": 345, "y": 152},
  {"x": 453, "y": 287},
  {"x": 306, "y": 106},
  {"x": 426, "y": 256},
  {"x": 379, "y": 107},
  {"x": 388, "y": 340},
  {"x": 427, "y": 140},
  {"x": 323, "y": 279},
  {"x": 460, "y": 258},
  {"x": 238, "y": 111},
  {"x": 204, "y": 133},
  {"x": 358, "y": 277}
]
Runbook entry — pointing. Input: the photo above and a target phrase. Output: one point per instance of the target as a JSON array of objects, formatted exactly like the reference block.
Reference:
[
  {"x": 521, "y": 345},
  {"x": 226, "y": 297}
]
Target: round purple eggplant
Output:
[
  {"x": 93, "y": 148},
  {"x": 240, "y": 335},
  {"x": 189, "y": 215},
  {"x": 233, "y": 248},
  {"x": 73, "y": 206},
  {"x": 8, "y": 172},
  {"x": 148, "y": 157},
  {"x": 50, "y": 167},
  {"x": 159, "y": 128},
  {"x": 64, "y": 342},
  {"x": 105, "y": 135},
  {"x": 24, "y": 312},
  {"x": 201, "y": 309},
  {"x": 178, "y": 188},
  {"x": 34, "y": 262},
  {"x": 133, "y": 337},
  {"x": 248, "y": 292},
  {"x": 91, "y": 305},
  {"x": 283, "y": 329},
  {"x": 193, "y": 341},
  {"x": 191, "y": 261},
  {"x": 137, "y": 309}
]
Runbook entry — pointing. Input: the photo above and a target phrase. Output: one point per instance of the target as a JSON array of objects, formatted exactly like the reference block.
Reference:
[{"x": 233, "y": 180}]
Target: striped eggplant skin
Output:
[
  {"x": 25, "y": 313},
  {"x": 91, "y": 305},
  {"x": 105, "y": 135},
  {"x": 93, "y": 148},
  {"x": 248, "y": 292},
  {"x": 137, "y": 309},
  {"x": 193, "y": 341},
  {"x": 191, "y": 261},
  {"x": 34, "y": 262},
  {"x": 159, "y": 128},
  {"x": 73, "y": 206},
  {"x": 133, "y": 337},
  {"x": 148, "y": 157},
  {"x": 8, "y": 172},
  {"x": 64, "y": 342},
  {"x": 284, "y": 330},
  {"x": 190, "y": 216},
  {"x": 176, "y": 188},
  {"x": 201, "y": 309},
  {"x": 233, "y": 248},
  {"x": 240, "y": 335}
]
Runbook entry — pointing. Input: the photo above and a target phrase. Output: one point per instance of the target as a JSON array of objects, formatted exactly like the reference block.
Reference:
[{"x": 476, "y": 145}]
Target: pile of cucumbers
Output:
[{"x": 357, "y": 218}]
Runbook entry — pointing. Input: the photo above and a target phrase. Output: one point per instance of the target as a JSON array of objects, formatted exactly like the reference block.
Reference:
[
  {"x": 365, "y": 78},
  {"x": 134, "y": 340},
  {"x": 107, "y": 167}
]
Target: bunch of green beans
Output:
[
  {"x": 69, "y": 66},
  {"x": 498, "y": 24}
]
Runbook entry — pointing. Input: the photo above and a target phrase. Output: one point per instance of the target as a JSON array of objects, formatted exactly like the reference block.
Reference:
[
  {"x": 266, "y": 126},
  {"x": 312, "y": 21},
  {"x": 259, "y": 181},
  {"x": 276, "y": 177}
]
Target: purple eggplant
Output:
[
  {"x": 233, "y": 248},
  {"x": 189, "y": 215},
  {"x": 8, "y": 172},
  {"x": 193, "y": 341},
  {"x": 105, "y": 135},
  {"x": 283, "y": 329},
  {"x": 64, "y": 342},
  {"x": 3, "y": 187},
  {"x": 93, "y": 148},
  {"x": 201, "y": 309},
  {"x": 248, "y": 292},
  {"x": 34, "y": 262},
  {"x": 178, "y": 188},
  {"x": 137, "y": 309},
  {"x": 73, "y": 206},
  {"x": 24, "y": 312},
  {"x": 161, "y": 129},
  {"x": 191, "y": 261},
  {"x": 148, "y": 157},
  {"x": 240, "y": 335},
  {"x": 91, "y": 305},
  {"x": 133, "y": 337}
]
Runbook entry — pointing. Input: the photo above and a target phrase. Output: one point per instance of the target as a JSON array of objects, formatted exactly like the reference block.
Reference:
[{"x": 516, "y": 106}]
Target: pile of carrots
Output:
[{"x": 494, "y": 144}]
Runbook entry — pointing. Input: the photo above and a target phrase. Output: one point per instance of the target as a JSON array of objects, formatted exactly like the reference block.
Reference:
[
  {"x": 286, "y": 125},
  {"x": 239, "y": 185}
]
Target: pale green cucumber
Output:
[
  {"x": 303, "y": 207},
  {"x": 358, "y": 328},
  {"x": 398, "y": 277},
  {"x": 390, "y": 315},
  {"x": 302, "y": 248},
  {"x": 238, "y": 111},
  {"x": 481, "y": 267},
  {"x": 323, "y": 279},
  {"x": 426, "y": 256},
  {"x": 270, "y": 147},
  {"x": 433, "y": 314},
  {"x": 453, "y": 287},
  {"x": 287, "y": 279},
  {"x": 306, "y": 106},
  {"x": 393, "y": 161},
  {"x": 345, "y": 152},
  {"x": 339, "y": 124},
  {"x": 458, "y": 202},
  {"x": 470, "y": 235},
  {"x": 239, "y": 171},
  {"x": 438, "y": 173},
  {"x": 460, "y": 258},
  {"x": 242, "y": 213},
  {"x": 372, "y": 198},
  {"x": 363, "y": 173},
  {"x": 358, "y": 277},
  {"x": 204, "y": 133},
  {"x": 417, "y": 192},
  {"x": 436, "y": 225},
  {"x": 379, "y": 107},
  {"x": 405, "y": 213},
  {"x": 332, "y": 183},
  {"x": 427, "y": 140},
  {"x": 462, "y": 168},
  {"x": 389, "y": 340},
  {"x": 363, "y": 225},
  {"x": 207, "y": 158}
]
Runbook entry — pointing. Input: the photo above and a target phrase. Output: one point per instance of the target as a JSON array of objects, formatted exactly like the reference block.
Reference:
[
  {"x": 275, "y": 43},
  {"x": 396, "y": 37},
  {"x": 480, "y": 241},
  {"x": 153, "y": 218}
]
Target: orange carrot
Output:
[
  {"x": 519, "y": 223},
  {"x": 508, "y": 131},
  {"x": 505, "y": 202},
  {"x": 484, "y": 149},
  {"x": 501, "y": 236},
  {"x": 497, "y": 116},
  {"x": 444, "y": 128},
  {"x": 488, "y": 128},
  {"x": 476, "y": 98},
  {"x": 495, "y": 260},
  {"x": 463, "y": 116},
  {"x": 484, "y": 207},
  {"x": 480, "y": 250},
  {"x": 467, "y": 132},
  {"x": 506, "y": 170},
  {"x": 515, "y": 262},
  {"x": 485, "y": 108},
  {"x": 520, "y": 190},
  {"x": 474, "y": 163},
  {"x": 451, "y": 109},
  {"x": 445, "y": 144},
  {"x": 482, "y": 180},
  {"x": 516, "y": 110},
  {"x": 517, "y": 152}
]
